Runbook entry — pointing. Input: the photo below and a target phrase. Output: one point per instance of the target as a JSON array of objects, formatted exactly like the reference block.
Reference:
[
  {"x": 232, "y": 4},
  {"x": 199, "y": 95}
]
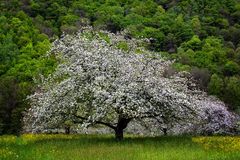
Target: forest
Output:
[{"x": 203, "y": 37}]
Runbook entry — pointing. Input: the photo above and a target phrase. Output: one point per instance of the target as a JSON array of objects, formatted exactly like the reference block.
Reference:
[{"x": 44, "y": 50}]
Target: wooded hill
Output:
[{"x": 203, "y": 36}]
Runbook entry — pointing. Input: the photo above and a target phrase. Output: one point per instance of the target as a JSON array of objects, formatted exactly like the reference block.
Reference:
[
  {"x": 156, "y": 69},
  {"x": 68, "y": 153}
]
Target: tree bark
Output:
[
  {"x": 121, "y": 125},
  {"x": 119, "y": 134},
  {"x": 67, "y": 130},
  {"x": 164, "y": 131}
]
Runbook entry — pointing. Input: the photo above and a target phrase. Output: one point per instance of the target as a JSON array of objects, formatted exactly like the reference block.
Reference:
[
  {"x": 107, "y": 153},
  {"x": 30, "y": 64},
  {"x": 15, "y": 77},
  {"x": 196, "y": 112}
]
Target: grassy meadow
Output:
[{"x": 104, "y": 147}]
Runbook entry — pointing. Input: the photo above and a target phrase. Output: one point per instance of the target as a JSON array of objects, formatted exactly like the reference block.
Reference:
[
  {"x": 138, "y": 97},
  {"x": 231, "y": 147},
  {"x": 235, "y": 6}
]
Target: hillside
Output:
[{"x": 202, "y": 36}]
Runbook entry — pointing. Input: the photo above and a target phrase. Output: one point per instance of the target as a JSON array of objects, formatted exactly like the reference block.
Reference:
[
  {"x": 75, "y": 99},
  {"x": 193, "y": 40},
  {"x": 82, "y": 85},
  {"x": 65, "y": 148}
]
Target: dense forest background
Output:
[{"x": 203, "y": 36}]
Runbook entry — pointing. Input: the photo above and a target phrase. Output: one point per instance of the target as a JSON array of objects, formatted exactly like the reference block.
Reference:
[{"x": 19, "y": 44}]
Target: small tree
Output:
[
  {"x": 96, "y": 83},
  {"x": 215, "y": 86}
]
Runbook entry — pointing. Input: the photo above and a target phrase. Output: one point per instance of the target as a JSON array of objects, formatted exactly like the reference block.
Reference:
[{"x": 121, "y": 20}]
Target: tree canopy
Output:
[{"x": 96, "y": 83}]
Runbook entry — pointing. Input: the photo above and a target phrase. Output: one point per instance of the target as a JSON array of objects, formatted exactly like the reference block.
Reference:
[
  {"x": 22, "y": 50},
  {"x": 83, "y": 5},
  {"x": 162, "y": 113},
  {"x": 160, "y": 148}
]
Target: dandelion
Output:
[
  {"x": 8, "y": 139},
  {"x": 7, "y": 153},
  {"x": 31, "y": 138},
  {"x": 227, "y": 144}
]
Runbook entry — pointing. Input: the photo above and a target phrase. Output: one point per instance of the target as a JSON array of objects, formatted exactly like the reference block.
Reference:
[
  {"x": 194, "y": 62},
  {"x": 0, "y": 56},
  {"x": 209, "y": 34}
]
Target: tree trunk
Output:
[
  {"x": 122, "y": 124},
  {"x": 165, "y": 131},
  {"x": 119, "y": 134},
  {"x": 67, "y": 130}
]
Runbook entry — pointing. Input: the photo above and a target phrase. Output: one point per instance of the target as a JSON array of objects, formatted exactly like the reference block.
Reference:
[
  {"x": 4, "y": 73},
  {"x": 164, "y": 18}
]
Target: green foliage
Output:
[
  {"x": 22, "y": 48},
  {"x": 8, "y": 52},
  {"x": 231, "y": 68},
  {"x": 215, "y": 86},
  {"x": 104, "y": 37},
  {"x": 200, "y": 33},
  {"x": 194, "y": 43},
  {"x": 123, "y": 46},
  {"x": 232, "y": 94},
  {"x": 208, "y": 53}
]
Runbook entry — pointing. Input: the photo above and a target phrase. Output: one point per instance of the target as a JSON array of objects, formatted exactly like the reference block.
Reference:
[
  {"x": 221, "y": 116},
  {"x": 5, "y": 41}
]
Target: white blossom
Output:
[{"x": 97, "y": 83}]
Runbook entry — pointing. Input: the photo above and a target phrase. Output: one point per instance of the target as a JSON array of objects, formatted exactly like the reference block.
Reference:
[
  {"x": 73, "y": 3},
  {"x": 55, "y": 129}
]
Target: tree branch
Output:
[{"x": 98, "y": 122}]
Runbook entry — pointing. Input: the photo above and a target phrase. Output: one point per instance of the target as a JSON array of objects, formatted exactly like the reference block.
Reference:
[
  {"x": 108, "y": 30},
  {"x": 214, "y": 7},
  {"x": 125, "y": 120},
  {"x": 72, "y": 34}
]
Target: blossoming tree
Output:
[{"x": 96, "y": 83}]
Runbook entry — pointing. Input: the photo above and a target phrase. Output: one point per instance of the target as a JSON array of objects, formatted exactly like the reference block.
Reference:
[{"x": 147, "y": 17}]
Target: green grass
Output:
[{"x": 93, "y": 147}]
